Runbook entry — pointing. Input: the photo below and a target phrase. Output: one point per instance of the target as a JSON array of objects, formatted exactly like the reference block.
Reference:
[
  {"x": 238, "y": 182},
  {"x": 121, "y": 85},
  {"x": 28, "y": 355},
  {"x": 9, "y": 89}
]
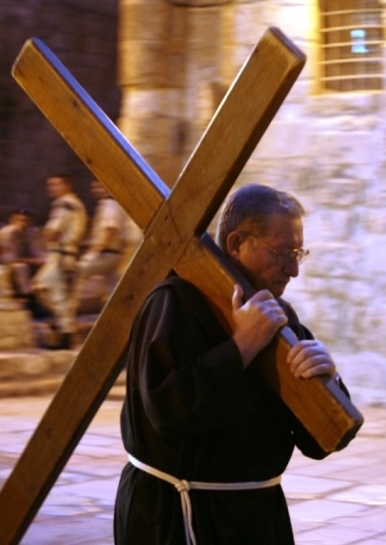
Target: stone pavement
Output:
[
  {"x": 32, "y": 370},
  {"x": 340, "y": 500}
]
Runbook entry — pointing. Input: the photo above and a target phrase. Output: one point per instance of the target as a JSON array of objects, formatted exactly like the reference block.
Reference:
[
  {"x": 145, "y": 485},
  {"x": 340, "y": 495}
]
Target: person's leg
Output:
[{"x": 52, "y": 290}]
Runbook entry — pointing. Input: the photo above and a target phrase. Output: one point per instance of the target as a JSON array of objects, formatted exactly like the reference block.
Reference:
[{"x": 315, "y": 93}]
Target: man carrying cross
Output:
[{"x": 199, "y": 421}]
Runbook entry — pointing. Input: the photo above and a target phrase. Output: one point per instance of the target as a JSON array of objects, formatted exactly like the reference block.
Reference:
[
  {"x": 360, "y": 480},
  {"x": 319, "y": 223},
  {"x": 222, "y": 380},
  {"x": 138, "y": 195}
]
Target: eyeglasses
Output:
[{"x": 283, "y": 257}]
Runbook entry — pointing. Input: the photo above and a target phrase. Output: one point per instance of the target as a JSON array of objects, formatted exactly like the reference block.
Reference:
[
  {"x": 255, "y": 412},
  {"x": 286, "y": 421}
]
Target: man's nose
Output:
[{"x": 291, "y": 268}]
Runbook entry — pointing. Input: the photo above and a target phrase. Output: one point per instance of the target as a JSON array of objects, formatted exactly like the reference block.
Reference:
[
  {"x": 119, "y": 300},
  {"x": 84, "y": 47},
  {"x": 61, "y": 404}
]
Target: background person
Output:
[
  {"x": 106, "y": 242},
  {"x": 23, "y": 250},
  {"x": 63, "y": 233}
]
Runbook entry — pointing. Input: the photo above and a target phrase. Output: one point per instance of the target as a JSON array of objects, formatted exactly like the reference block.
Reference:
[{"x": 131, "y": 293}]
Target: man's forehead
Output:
[
  {"x": 283, "y": 227},
  {"x": 271, "y": 218},
  {"x": 274, "y": 224}
]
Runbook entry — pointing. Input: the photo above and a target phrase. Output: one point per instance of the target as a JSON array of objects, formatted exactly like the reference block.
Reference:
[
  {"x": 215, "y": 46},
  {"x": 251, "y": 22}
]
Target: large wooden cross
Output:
[{"x": 173, "y": 223}]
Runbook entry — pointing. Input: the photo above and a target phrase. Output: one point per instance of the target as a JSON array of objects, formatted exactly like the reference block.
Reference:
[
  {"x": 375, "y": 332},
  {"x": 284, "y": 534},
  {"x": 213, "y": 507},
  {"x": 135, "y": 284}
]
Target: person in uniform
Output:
[
  {"x": 22, "y": 250},
  {"x": 63, "y": 233},
  {"x": 207, "y": 437},
  {"x": 106, "y": 243}
]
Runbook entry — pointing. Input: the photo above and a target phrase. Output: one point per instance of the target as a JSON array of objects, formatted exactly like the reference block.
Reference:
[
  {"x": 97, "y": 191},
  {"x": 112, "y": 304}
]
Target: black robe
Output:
[{"x": 192, "y": 411}]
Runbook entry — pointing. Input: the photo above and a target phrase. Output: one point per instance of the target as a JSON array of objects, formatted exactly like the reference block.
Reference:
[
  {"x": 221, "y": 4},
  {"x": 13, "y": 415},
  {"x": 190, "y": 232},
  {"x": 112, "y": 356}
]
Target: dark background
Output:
[{"x": 83, "y": 35}]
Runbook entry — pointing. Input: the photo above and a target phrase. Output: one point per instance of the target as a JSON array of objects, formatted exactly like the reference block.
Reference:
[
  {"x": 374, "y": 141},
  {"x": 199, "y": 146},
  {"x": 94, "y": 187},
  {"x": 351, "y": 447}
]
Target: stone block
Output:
[
  {"x": 337, "y": 193},
  {"x": 284, "y": 139},
  {"x": 365, "y": 375},
  {"x": 369, "y": 325},
  {"x": 143, "y": 21},
  {"x": 328, "y": 225},
  {"x": 16, "y": 329},
  {"x": 251, "y": 20},
  {"x": 375, "y": 223},
  {"x": 145, "y": 64},
  {"x": 334, "y": 260},
  {"x": 23, "y": 364},
  {"x": 153, "y": 103}
]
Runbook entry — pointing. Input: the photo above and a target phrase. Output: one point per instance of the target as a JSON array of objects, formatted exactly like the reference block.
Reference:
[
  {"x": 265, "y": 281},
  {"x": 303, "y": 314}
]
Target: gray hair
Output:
[{"x": 254, "y": 204}]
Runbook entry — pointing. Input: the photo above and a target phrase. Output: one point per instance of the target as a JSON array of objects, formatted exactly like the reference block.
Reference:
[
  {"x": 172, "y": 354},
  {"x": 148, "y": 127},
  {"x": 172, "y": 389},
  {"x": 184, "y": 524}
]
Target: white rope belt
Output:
[{"x": 183, "y": 487}]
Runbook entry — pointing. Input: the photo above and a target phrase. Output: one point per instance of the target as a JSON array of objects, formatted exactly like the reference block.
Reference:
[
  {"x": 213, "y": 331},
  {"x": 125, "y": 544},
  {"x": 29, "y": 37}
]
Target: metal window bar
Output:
[
  {"x": 342, "y": 59},
  {"x": 348, "y": 44},
  {"x": 351, "y": 27},
  {"x": 366, "y": 60},
  {"x": 380, "y": 77},
  {"x": 354, "y": 11},
  {"x": 359, "y": 11}
]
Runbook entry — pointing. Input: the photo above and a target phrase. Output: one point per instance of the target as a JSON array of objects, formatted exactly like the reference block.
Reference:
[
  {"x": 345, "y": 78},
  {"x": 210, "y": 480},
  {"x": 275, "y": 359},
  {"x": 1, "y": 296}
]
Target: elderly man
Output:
[{"x": 198, "y": 414}]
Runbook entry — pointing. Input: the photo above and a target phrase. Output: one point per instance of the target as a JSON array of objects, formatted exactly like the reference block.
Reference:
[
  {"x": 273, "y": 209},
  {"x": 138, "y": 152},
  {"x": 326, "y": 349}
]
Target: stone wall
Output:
[
  {"x": 325, "y": 148},
  {"x": 328, "y": 149}
]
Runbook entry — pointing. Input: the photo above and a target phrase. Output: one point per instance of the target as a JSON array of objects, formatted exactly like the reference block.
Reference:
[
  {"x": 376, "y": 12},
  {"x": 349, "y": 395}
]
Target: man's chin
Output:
[{"x": 278, "y": 289}]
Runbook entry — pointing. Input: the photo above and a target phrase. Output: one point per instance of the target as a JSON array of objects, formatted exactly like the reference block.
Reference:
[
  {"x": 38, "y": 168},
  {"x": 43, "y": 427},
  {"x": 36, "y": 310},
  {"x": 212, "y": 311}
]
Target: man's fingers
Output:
[
  {"x": 262, "y": 295},
  {"x": 237, "y": 297},
  {"x": 258, "y": 297},
  {"x": 304, "y": 349},
  {"x": 325, "y": 368},
  {"x": 309, "y": 358}
]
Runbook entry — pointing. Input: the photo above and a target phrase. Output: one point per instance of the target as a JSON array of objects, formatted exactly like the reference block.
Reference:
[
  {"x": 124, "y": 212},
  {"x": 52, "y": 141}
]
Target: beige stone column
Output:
[{"x": 174, "y": 64}]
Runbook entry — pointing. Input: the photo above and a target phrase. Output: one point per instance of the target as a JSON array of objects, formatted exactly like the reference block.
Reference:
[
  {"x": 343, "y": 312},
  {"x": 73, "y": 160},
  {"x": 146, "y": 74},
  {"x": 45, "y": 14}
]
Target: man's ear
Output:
[{"x": 234, "y": 240}]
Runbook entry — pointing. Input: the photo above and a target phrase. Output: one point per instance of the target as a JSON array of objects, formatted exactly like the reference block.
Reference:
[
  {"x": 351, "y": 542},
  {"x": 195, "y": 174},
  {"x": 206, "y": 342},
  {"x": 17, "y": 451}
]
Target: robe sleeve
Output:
[{"x": 188, "y": 381}]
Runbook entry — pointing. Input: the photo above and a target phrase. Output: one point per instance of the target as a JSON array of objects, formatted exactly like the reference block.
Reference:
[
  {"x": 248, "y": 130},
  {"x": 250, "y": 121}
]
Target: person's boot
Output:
[
  {"x": 63, "y": 341},
  {"x": 36, "y": 308}
]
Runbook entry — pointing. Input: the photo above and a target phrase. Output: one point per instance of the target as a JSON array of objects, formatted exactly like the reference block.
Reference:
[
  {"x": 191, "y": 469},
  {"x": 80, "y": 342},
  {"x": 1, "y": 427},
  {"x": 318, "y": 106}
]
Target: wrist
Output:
[{"x": 247, "y": 350}]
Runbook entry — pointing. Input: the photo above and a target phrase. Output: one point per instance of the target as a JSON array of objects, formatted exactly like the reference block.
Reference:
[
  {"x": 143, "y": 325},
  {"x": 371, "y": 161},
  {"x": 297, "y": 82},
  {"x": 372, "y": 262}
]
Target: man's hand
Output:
[
  {"x": 255, "y": 322},
  {"x": 309, "y": 358}
]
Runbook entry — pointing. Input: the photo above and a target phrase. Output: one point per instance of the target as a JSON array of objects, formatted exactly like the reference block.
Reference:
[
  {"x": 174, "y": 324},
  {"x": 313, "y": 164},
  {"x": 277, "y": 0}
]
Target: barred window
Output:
[{"x": 351, "y": 45}]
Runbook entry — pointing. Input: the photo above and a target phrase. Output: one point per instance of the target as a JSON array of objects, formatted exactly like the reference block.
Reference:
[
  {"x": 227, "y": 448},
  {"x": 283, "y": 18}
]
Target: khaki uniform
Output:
[
  {"x": 100, "y": 259},
  {"x": 53, "y": 282},
  {"x": 16, "y": 246}
]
